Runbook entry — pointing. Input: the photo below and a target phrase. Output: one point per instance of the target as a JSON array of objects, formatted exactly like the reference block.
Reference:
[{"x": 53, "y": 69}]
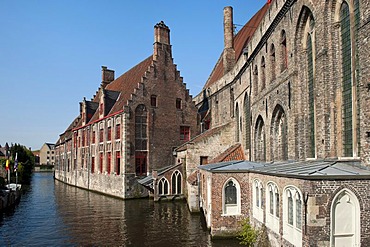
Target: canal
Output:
[{"x": 51, "y": 213}]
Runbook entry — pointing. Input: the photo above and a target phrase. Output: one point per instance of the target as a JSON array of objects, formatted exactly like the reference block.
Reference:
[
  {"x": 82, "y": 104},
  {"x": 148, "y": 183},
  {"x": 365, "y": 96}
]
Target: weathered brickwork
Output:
[
  {"x": 130, "y": 127},
  {"x": 293, "y": 73}
]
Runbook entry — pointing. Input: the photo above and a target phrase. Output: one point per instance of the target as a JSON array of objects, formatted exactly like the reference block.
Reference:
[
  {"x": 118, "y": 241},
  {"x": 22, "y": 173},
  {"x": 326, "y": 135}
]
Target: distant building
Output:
[{"x": 47, "y": 154}]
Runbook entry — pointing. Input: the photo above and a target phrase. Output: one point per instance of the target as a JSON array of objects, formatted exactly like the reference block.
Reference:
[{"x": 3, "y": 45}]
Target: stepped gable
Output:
[
  {"x": 241, "y": 39},
  {"x": 127, "y": 83}
]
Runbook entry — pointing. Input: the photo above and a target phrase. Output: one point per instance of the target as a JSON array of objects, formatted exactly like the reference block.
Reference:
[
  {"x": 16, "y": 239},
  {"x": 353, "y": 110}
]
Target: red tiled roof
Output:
[
  {"x": 235, "y": 152},
  {"x": 240, "y": 40},
  {"x": 127, "y": 83}
]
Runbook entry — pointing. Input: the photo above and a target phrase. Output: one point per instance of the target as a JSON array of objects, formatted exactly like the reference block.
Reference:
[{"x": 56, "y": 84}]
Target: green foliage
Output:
[
  {"x": 26, "y": 162},
  {"x": 247, "y": 235}
]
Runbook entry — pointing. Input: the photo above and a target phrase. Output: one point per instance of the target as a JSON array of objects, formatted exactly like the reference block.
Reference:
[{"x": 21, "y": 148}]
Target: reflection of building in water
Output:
[{"x": 284, "y": 121}]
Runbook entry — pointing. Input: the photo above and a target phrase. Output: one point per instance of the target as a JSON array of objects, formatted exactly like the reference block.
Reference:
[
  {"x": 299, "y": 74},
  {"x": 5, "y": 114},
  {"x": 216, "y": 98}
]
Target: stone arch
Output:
[
  {"x": 237, "y": 126},
  {"x": 263, "y": 73},
  {"x": 176, "y": 183},
  {"x": 259, "y": 140},
  {"x": 247, "y": 125},
  {"x": 345, "y": 219},
  {"x": 279, "y": 134},
  {"x": 231, "y": 197}
]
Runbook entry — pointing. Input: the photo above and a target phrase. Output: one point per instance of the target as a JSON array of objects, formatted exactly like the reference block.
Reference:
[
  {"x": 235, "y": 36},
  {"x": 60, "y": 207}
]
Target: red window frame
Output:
[
  {"x": 101, "y": 135},
  {"x": 109, "y": 133},
  {"x": 118, "y": 162},
  {"x": 101, "y": 162},
  {"x": 118, "y": 131},
  {"x": 92, "y": 164},
  {"x": 109, "y": 159},
  {"x": 184, "y": 133}
]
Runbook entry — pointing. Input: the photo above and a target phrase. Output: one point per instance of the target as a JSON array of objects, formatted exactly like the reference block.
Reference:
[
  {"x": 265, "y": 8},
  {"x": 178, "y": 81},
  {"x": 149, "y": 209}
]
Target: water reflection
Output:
[{"x": 54, "y": 214}]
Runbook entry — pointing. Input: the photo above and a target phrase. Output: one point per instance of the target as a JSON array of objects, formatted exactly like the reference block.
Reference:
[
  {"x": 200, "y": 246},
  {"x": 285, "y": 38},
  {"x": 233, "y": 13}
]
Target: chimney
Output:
[
  {"x": 161, "y": 39},
  {"x": 107, "y": 76},
  {"x": 229, "y": 52}
]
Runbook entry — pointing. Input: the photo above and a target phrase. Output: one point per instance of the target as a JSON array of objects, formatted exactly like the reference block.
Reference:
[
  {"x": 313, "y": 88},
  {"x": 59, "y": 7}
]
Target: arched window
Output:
[
  {"x": 272, "y": 201},
  {"x": 176, "y": 183},
  {"x": 263, "y": 73},
  {"x": 284, "y": 51},
  {"x": 258, "y": 200},
  {"x": 237, "y": 122},
  {"x": 273, "y": 62},
  {"x": 141, "y": 140},
  {"x": 345, "y": 219},
  {"x": 346, "y": 45},
  {"x": 247, "y": 114},
  {"x": 292, "y": 216},
  {"x": 260, "y": 140},
  {"x": 255, "y": 79},
  {"x": 311, "y": 99},
  {"x": 279, "y": 138},
  {"x": 231, "y": 197},
  {"x": 163, "y": 187}
]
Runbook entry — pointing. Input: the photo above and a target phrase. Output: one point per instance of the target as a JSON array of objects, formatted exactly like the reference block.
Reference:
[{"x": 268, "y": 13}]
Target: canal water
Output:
[{"x": 51, "y": 213}]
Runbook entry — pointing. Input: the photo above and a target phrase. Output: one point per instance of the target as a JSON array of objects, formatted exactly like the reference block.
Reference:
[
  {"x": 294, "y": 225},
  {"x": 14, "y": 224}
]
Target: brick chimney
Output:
[
  {"x": 161, "y": 39},
  {"x": 107, "y": 76},
  {"x": 229, "y": 52}
]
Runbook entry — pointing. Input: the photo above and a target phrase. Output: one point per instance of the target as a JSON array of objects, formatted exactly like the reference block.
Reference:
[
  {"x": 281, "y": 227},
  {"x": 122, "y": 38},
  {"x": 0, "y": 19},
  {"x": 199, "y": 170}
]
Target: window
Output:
[
  {"x": 176, "y": 183},
  {"x": 272, "y": 61},
  {"x": 284, "y": 52},
  {"x": 311, "y": 101},
  {"x": 141, "y": 128},
  {"x": 258, "y": 200},
  {"x": 260, "y": 140},
  {"x": 118, "y": 162},
  {"x": 101, "y": 135},
  {"x": 92, "y": 164},
  {"x": 83, "y": 138},
  {"x": 272, "y": 215},
  {"x": 118, "y": 132},
  {"x": 153, "y": 100},
  {"x": 101, "y": 162},
  {"x": 93, "y": 137},
  {"x": 231, "y": 197},
  {"x": 163, "y": 187},
  {"x": 346, "y": 79},
  {"x": 255, "y": 78},
  {"x": 263, "y": 73},
  {"x": 203, "y": 160},
  {"x": 345, "y": 219},
  {"x": 247, "y": 114},
  {"x": 101, "y": 109},
  {"x": 178, "y": 104},
  {"x": 292, "y": 217},
  {"x": 109, "y": 133},
  {"x": 184, "y": 133},
  {"x": 109, "y": 159}
]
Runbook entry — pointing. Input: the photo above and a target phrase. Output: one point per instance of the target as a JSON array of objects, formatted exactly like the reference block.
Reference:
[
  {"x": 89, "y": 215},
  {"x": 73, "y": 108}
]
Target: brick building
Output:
[
  {"x": 291, "y": 87},
  {"x": 130, "y": 127}
]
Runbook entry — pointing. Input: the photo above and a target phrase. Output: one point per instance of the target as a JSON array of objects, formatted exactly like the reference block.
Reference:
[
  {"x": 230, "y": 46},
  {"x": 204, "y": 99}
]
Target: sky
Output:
[{"x": 51, "y": 53}]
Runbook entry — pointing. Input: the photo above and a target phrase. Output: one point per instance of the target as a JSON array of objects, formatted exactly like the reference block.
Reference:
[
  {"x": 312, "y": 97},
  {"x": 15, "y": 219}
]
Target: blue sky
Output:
[{"x": 51, "y": 53}]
